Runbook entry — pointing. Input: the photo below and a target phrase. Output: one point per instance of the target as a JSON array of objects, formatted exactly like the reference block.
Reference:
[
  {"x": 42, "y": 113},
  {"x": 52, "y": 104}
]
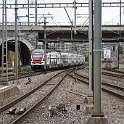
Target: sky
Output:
[{"x": 110, "y": 15}]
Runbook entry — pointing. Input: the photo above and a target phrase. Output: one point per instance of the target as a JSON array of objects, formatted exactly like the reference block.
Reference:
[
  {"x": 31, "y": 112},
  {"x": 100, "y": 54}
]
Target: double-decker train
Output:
[{"x": 54, "y": 59}]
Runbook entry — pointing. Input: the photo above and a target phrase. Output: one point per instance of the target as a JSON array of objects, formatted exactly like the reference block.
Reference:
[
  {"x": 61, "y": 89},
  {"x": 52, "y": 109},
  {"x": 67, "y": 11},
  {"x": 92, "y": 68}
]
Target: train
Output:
[{"x": 54, "y": 59}]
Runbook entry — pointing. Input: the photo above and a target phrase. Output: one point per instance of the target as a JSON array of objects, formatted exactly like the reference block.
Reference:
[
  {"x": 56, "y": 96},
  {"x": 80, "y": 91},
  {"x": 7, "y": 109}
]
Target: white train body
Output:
[{"x": 55, "y": 59}]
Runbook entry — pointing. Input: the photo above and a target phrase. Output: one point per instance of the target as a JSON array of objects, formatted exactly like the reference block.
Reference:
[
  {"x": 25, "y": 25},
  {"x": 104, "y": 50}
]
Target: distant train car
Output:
[{"x": 54, "y": 59}]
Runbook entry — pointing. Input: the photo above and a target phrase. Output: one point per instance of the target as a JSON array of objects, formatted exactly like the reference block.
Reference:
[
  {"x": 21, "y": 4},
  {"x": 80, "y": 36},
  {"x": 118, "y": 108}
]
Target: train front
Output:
[{"x": 37, "y": 59}]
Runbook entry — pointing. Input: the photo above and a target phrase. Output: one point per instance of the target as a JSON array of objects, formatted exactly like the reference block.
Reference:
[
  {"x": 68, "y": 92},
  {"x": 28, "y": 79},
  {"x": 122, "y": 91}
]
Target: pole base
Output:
[
  {"x": 98, "y": 115},
  {"x": 88, "y": 100},
  {"x": 88, "y": 109},
  {"x": 88, "y": 104},
  {"x": 97, "y": 120}
]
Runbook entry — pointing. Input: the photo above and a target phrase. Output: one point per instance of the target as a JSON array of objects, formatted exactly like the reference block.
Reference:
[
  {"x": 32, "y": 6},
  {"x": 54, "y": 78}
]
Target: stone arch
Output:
[{"x": 25, "y": 49}]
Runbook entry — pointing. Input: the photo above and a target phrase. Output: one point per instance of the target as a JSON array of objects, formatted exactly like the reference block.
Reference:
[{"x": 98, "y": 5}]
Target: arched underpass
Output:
[{"x": 24, "y": 51}]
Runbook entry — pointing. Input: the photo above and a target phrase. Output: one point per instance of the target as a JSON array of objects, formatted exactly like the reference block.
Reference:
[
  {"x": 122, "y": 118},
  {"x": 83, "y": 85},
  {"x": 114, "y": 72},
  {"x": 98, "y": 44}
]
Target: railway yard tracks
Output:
[
  {"x": 21, "y": 75},
  {"x": 14, "y": 111},
  {"x": 116, "y": 90},
  {"x": 26, "y": 106}
]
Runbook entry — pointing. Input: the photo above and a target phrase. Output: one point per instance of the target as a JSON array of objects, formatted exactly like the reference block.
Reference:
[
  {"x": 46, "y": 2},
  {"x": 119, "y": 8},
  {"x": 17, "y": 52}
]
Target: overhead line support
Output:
[{"x": 62, "y": 5}]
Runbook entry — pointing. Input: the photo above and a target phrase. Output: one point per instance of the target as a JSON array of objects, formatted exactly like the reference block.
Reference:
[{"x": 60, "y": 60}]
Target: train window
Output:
[{"x": 37, "y": 57}]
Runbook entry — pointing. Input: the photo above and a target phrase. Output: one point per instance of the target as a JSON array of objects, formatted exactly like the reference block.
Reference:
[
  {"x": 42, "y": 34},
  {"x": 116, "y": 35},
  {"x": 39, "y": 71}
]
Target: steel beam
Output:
[{"x": 61, "y": 5}]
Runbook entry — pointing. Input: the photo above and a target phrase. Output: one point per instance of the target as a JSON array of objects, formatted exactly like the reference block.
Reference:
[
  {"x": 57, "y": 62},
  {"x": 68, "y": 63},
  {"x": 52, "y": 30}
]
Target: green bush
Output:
[
  {"x": 86, "y": 58},
  {"x": 25, "y": 69},
  {"x": 20, "y": 69}
]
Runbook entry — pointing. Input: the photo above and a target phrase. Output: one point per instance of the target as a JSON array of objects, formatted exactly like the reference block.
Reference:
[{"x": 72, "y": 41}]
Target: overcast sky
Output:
[{"x": 110, "y": 15}]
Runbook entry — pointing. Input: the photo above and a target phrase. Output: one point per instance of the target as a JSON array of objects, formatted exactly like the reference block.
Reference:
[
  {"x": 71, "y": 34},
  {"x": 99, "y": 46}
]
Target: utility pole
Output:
[
  {"x": 45, "y": 41},
  {"x": 28, "y": 12},
  {"x": 118, "y": 52},
  {"x": 120, "y": 12},
  {"x": 97, "y": 114},
  {"x": 4, "y": 43},
  {"x": 119, "y": 35},
  {"x": 75, "y": 16},
  {"x": 3, "y": 39},
  {"x": 36, "y": 41},
  {"x": 90, "y": 47},
  {"x": 16, "y": 43},
  {"x": 97, "y": 57},
  {"x": 35, "y": 12}
]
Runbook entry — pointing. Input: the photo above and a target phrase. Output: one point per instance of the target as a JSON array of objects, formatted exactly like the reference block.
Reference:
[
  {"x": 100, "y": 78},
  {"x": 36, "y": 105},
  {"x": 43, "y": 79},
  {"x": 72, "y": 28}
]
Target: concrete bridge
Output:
[
  {"x": 32, "y": 36},
  {"x": 109, "y": 32}
]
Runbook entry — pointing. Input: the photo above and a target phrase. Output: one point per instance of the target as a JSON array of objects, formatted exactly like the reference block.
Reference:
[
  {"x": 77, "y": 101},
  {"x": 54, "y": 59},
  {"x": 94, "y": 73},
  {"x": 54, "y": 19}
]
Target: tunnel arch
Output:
[{"x": 24, "y": 50}]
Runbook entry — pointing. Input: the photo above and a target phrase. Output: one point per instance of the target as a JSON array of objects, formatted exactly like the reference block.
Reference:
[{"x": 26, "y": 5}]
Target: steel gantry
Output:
[
  {"x": 74, "y": 5},
  {"x": 4, "y": 44},
  {"x": 59, "y": 5}
]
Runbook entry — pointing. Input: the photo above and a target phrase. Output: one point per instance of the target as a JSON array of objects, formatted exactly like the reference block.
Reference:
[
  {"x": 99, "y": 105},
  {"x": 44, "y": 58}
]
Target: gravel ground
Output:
[
  {"x": 112, "y": 107},
  {"x": 21, "y": 84},
  {"x": 62, "y": 96}
]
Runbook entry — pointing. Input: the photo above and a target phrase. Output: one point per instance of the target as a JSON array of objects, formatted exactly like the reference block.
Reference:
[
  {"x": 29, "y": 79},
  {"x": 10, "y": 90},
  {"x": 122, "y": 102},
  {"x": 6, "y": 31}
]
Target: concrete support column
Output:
[
  {"x": 97, "y": 56},
  {"x": 89, "y": 98},
  {"x": 97, "y": 116}
]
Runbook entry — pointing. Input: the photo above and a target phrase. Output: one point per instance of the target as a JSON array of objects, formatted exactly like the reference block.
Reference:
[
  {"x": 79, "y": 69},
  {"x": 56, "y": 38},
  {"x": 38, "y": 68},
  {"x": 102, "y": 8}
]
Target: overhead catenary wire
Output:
[
  {"x": 84, "y": 24},
  {"x": 70, "y": 22},
  {"x": 53, "y": 20}
]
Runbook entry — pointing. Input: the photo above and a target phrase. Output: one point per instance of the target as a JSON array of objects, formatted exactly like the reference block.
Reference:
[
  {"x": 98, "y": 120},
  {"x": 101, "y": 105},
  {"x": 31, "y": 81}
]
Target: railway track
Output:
[
  {"x": 113, "y": 75},
  {"x": 21, "y": 75},
  {"x": 114, "y": 71},
  {"x": 27, "y": 74},
  {"x": 109, "y": 88},
  {"x": 45, "y": 89},
  {"x": 116, "y": 76}
]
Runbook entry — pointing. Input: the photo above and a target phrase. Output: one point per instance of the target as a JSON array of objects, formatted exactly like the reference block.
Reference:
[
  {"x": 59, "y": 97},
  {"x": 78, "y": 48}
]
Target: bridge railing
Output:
[
  {"x": 23, "y": 23},
  {"x": 41, "y": 23}
]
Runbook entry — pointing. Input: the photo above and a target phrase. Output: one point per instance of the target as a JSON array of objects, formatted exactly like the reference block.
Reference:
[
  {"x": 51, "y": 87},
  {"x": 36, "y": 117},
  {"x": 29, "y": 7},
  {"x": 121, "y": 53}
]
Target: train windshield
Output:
[{"x": 37, "y": 56}]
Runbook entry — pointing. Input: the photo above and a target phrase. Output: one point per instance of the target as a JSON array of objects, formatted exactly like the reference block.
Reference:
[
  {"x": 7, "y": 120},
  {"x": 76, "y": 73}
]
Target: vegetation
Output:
[
  {"x": 21, "y": 69},
  {"x": 25, "y": 69},
  {"x": 9, "y": 69}
]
